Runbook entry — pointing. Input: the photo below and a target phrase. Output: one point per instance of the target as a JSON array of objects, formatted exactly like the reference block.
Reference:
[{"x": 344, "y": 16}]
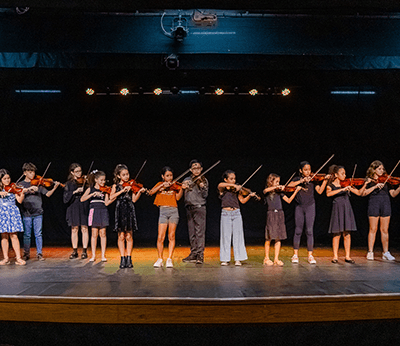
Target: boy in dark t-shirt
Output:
[{"x": 32, "y": 210}]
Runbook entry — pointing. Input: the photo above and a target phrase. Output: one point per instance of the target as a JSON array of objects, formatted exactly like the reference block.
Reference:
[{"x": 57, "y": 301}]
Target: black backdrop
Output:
[{"x": 241, "y": 131}]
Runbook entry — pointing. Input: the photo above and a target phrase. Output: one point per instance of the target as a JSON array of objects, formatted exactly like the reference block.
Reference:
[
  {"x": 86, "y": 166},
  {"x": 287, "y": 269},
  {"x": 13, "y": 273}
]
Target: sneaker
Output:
[
  {"x": 370, "y": 255},
  {"x": 224, "y": 263},
  {"x": 159, "y": 263},
  {"x": 295, "y": 259},
  {"x": 73, "y": 255},
  {"x": 190, "y": 259},
  {"x": 92, "y": 259},
  {"x": 40, "y": 257},
  {"x": 169, "y": 263},
  {"x": 387, "y": 256},
  {"x": 103, "y": 259},
  {"x": 238, "y": 263},
  {"x": 311, "y": 259},
  {"x": 26, "y": 256},
  {"x": 200, "y": 259}
]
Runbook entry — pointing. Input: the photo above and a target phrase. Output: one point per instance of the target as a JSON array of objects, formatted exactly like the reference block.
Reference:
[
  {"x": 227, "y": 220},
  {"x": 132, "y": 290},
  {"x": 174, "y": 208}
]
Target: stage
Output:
[{"x": 79, "y": 291}]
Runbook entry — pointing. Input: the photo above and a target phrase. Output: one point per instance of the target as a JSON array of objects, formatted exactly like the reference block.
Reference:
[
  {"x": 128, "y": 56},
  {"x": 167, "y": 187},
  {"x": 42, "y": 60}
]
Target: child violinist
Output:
[
  {"x": 98, "y": 212},
  {"x": 275, "y": 228},
  {"x": 305, "y": 210},
  {"x": 167, "y": 195},
  {"x": 125, "y": 216},
  {"x": 32, "y": 210},
  {"x": 10, "y": 219},
  {"x": 379, "y": 209},
  {"x": 231, "y": 219},
  {"x": 342, "y": 217},
  {"x": 77, "y": 212}
]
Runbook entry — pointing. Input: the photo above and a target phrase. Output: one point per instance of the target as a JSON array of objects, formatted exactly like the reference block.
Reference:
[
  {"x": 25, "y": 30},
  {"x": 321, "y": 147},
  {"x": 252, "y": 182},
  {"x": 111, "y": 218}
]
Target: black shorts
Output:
[{"x": 379, "y": 207}]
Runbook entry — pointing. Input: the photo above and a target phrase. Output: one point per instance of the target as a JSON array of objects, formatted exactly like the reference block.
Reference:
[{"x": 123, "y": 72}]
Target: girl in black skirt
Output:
[
  {"x": 77, "y": 212},
  {"x": 98, "y": 213},
  {"x": 275, "y": 228},
  {"x": 342, "y": 217},
  {"x": 125, "y": 216}
]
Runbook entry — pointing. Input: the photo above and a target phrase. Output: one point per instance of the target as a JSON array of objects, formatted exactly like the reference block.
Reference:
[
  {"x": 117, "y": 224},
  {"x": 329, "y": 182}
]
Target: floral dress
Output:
[{"x": 10, "y": 217}]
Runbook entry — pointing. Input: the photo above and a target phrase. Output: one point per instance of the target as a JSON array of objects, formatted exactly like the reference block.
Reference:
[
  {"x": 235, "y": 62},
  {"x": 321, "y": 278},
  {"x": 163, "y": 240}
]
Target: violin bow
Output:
[
  {"x": 389, "y": 176},
  {"x": 251, "y": 176},
  {"x": 184, "y": 173},
  {"x": 19, "y": 178},
  {"x": 140, "y": 170},
  {"x": 354, "y": 172},
  {"x": 45, "y": 171},
  {"x": 207, "y": 170},
  {"x": 291, "y": 177},
  {"x": 84, "y": 180},
  {"x": 322, "y": 167}
]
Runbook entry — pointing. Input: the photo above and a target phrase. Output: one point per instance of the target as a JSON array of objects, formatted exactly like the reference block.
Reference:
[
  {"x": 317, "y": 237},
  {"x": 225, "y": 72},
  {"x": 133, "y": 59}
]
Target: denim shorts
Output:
[{"x": 168, "y": 215}]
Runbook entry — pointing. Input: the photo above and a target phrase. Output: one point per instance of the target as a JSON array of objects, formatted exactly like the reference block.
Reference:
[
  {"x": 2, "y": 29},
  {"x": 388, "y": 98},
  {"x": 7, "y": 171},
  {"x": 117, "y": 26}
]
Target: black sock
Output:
[{"x": 84, "y": 250}]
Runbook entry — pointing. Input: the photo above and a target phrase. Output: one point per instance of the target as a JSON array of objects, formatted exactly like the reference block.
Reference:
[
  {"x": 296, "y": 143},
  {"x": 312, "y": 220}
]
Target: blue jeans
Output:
[
  {"x": 35, "y": 223},
  {"x": 232, "y": 232}
]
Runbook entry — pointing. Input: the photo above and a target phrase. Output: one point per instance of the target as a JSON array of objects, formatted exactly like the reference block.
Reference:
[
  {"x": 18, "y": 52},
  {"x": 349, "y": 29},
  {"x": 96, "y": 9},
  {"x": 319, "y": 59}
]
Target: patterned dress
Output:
[{"x": 10, "y": 217}]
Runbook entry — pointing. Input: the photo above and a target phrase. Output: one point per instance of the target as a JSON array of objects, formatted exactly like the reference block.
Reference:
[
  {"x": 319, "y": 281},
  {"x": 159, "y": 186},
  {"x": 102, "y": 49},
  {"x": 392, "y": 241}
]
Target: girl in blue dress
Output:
[{"x": 10, "y": 219}]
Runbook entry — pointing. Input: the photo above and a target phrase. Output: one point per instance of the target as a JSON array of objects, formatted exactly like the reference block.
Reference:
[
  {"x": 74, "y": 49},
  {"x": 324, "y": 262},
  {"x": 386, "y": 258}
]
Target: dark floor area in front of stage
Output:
[
  {"x": 59, "y": 276},
  {"x": 311, "y": 334}
]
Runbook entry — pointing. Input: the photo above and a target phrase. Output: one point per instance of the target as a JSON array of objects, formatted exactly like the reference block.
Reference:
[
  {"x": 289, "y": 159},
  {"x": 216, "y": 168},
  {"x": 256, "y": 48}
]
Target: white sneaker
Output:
[
  {"x": 370, "y": 255},
  {"x": 92, "y": 259},
  {"x": 224, "y": 263},
  {"x": 295, "y": 259},
  {"x": 311, "y": 259},
  {"x": 159, "y": 263},
  {"x": 387, "y": 256},
  {"x": 169, "y": 263},
  {"x": 238, "y": 263}
]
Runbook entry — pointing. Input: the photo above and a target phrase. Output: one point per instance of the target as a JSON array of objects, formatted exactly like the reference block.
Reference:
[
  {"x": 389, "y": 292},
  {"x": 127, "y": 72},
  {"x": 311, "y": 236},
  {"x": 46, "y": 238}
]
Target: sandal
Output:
[
  {"x": 5, "y": 261},
  {"x": 278, "y": 263},
  {"x": 20, "y": 262},
  {"x": 268, "y": 262}
]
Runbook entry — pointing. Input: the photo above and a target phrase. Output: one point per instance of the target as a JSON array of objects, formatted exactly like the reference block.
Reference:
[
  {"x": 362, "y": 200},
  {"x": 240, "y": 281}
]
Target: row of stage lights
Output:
[{"x": 201, "y": 91}]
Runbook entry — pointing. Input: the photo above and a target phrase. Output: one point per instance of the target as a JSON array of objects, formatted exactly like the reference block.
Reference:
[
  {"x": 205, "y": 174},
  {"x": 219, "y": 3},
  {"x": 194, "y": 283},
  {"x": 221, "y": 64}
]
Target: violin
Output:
[
  {"x": 13, "y": 188},
  {"x": 384, "y": 179},
  {"x": 135, "y": 187},
  {"x": 105, "y": 189},
  {"x": 80, "y": 181},
  {"x": 40, "y": 181},
  {"x": 352, "y": 182},
  {"x": 244, "y": 191},
  {"x": 319, "y": 177},
  {"x": 175, "y": 186}
]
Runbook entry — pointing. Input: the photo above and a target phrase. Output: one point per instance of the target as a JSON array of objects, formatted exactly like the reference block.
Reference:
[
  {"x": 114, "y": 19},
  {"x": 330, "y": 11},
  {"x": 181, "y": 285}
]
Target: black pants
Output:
[{"x": 196, "y": 217}]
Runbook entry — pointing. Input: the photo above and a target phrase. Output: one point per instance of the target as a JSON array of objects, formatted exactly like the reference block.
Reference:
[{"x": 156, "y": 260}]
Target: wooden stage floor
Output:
[{"x": 79, "y": 291}]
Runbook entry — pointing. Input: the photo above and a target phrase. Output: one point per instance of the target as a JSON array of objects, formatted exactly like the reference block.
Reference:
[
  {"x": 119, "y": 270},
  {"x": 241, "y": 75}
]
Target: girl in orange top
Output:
[{"x": 166, "y": 198}]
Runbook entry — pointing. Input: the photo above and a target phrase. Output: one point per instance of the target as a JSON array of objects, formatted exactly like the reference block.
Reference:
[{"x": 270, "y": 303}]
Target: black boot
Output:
[
  {"x": 74, "y": 254},
  {"x": 84, "y": 254},
  {"x": 129, "y": 262},
  {"x": 123, "y": 262}
]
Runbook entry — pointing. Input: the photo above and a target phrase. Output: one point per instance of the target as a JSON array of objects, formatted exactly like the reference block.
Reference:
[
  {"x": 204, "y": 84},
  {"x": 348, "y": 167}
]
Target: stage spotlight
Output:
[
  {"x": 253, "y": 92},
  {"x": 172, "y": 62},
  {"x": 219, "y": 91},
  {"x": 89, "y": 91},
  {"x": 157, "y": 91},
  {"x": 285, "y": 92},
  {"x": 21, "y": 10},
  {"x": 124, "y": 91},
  {"x": 179, "y": 29},
  {"x": 175, "y": 90}
]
